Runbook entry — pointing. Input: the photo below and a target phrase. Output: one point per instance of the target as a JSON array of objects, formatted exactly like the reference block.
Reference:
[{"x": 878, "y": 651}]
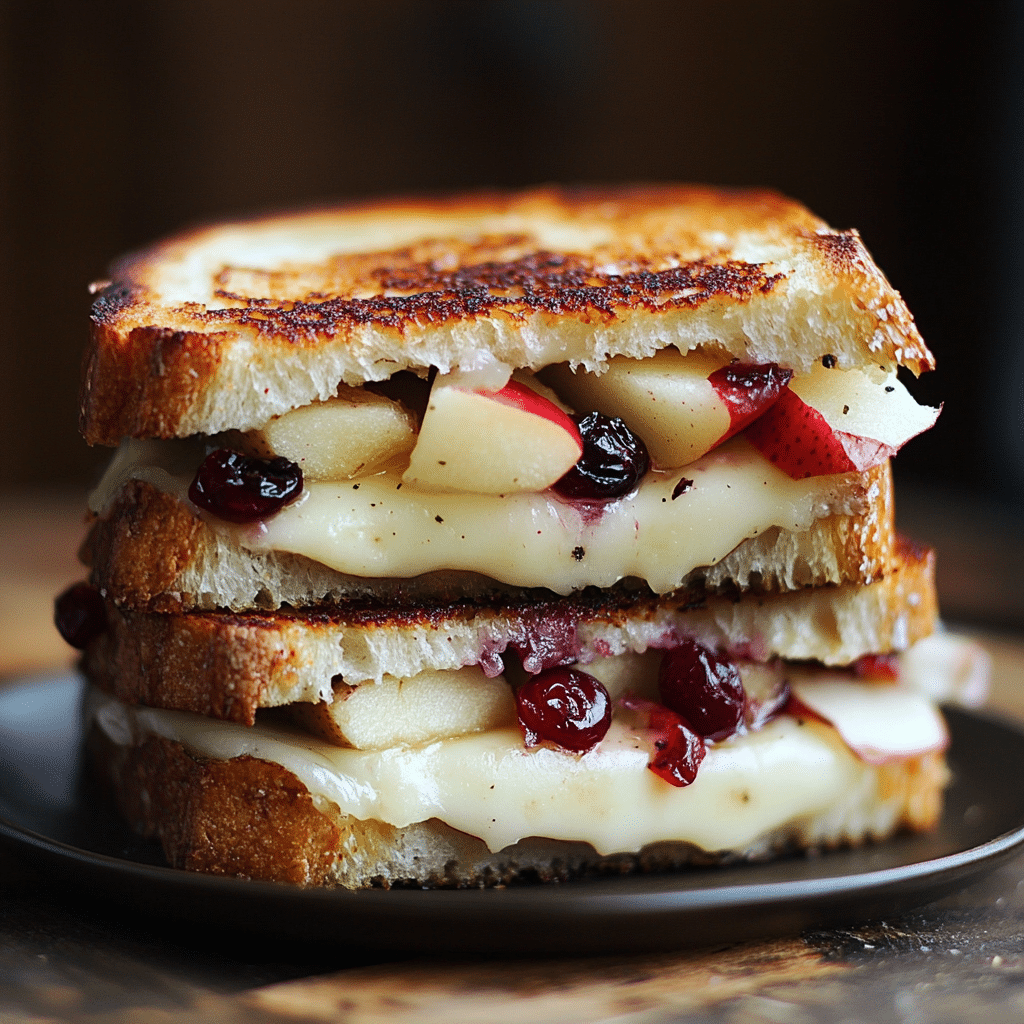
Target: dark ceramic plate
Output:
[{"x": 46, "y": 815}]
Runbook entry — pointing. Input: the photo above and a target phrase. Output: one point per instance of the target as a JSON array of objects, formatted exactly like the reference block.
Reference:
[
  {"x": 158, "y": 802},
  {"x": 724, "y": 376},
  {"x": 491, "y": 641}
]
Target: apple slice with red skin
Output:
[
  {"x": 492, "y": 442},
  {"x": 748, "y": 390},
  {"x": 682, "y": 406},
  {"x": 879, "y": 722},
  {"x": 838, "y": 421}
]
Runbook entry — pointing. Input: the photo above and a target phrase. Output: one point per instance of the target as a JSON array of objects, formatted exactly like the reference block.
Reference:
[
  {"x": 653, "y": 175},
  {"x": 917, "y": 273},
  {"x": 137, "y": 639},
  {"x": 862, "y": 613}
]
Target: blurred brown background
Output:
[{"x": 121, "y": 121}]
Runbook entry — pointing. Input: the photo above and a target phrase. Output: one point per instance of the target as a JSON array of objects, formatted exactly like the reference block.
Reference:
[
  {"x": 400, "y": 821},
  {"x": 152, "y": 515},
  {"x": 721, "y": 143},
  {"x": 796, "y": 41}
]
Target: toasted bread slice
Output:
[
  {"x": 227, "y": 665},
  {"x": 227, "y": 326}
]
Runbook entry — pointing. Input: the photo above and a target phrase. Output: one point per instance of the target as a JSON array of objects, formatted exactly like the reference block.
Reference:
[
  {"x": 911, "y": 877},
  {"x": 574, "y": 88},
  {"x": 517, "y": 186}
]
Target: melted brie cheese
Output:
[
  {"x": 377, "y": 527},
  {"x": 490, "y": 786}
]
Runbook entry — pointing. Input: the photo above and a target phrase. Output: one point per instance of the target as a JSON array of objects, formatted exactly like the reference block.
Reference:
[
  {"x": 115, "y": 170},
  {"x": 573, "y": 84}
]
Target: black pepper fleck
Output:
[
  {"x": 438, "y": 519},
  {"x": 828, "y": 361},
  {"x": 578, "y": 553},
  {"x": 681, "y": 488}
]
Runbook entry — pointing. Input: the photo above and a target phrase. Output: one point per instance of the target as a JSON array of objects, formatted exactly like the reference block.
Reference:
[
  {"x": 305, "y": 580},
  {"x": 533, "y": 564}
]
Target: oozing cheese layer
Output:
[
  {"x": 490, "y": 786},
  {"x": 377, "y": 527}
]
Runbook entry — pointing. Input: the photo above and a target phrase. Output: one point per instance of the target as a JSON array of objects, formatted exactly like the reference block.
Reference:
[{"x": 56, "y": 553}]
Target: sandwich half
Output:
[{"x": 460, "y": 540}]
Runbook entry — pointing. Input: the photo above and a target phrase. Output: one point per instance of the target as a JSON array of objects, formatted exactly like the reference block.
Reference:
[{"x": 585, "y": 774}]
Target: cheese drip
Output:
[{"x": 377, "y": 527}]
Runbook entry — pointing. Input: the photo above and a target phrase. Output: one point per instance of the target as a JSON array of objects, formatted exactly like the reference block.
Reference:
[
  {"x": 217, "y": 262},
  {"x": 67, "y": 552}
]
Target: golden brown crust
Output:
[
  {"x": 149, "y": 539},
  {"x": 212, "y": 329},
  {"x": 219, "y": 668},
  {"x": 917, "y": 784},
  {"x": 244, "y": 817},
  {"x": 226, "y": 665}
]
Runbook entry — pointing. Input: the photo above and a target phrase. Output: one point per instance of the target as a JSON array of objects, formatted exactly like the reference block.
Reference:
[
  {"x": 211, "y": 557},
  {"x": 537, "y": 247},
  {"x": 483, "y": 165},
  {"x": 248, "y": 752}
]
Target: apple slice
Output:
[
  {"x": 838, "y": 421},
  {"x": 682, "y": 406},
  {"x": 627, "y": 673},
  {"x": 748, "y": 390},
  {"x": 356, "y": 433},
  {"x": 879, "y": 722},
  {"x": 432, "y": 705},
  {"x": 492, "y": 442}
]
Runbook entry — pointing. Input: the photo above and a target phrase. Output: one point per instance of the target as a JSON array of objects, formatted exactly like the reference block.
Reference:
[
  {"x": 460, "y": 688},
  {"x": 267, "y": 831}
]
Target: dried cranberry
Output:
[
  {"x": 678, "y": 750},
  {"x": 613, "y": 462},
  {"x": 80, "y": 615},
  {"x": 243, "y": 489},
  {"x": 566, "y": 707},
  {"x": 704, "y": 688}
]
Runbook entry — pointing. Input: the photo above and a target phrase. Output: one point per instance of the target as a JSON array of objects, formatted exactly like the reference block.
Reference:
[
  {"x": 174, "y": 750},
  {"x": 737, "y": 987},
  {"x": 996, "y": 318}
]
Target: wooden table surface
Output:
[{"x": 960, "y": 959}]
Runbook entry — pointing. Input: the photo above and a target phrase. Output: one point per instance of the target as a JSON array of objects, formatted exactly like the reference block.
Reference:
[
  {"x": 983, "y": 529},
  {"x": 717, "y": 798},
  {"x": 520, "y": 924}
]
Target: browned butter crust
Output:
[{"x": 178, "y": 340}]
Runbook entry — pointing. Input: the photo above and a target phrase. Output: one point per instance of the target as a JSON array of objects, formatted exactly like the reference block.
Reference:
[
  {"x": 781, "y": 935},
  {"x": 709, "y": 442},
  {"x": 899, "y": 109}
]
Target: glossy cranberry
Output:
[
  {"x": 80, "y": 615},
  {"x": 566, "y": 707},
  {"x": 704, "y": 688},
  {"x": 613, "y": 462},
  {"x": 678, "y": 750},
  {"x": 244, "y": 489}
]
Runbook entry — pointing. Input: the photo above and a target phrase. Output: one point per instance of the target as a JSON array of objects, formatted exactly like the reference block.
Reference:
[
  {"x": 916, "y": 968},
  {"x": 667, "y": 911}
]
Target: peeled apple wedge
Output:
[
  {"x": 838, "y": 421},
  {"x": 666, "y": 400},
  {"x": 682, "y": 406},
  {"x": 429, "y": 706},
  {"x": 356, "y": 433},
  {"x": 627, "y": 673},
  {"x": 492, "y": 442}
]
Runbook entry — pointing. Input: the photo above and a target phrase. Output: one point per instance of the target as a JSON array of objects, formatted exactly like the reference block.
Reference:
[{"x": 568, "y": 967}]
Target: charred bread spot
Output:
[
  {"x": 112, "y": 297},
  {"x": 541, "y": 282},
  {"x": 843, "y": 250}
]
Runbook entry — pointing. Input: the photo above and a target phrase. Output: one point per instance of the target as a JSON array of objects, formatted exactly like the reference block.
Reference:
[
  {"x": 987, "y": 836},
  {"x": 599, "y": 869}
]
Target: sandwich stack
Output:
[{"x": 502, "y": 536}]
